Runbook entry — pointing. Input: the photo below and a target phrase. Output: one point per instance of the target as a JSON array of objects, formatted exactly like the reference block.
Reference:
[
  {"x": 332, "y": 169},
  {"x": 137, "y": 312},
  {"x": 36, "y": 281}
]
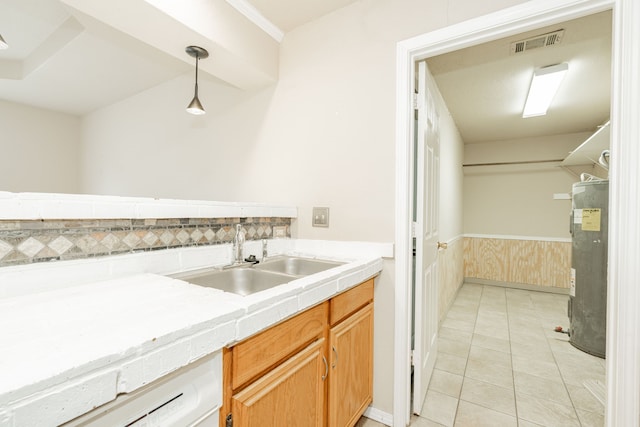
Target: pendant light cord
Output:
[{"x": 197, "y": 61}]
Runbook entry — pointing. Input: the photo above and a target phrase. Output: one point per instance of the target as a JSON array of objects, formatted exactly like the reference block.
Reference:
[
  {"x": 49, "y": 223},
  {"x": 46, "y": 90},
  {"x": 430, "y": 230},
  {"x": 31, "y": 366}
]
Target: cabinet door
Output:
[
  {"x": 351, "y": 373},
  {"x": 290, "y": 395}
]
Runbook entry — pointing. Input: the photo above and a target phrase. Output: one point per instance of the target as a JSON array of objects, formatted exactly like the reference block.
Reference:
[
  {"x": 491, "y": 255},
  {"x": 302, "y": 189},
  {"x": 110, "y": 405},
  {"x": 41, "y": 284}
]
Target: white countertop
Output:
[{"x": 68, "y": 350}]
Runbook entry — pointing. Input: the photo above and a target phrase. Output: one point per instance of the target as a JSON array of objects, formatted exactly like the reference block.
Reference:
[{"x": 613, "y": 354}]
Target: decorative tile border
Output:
[{"x": 31, "y": 241}]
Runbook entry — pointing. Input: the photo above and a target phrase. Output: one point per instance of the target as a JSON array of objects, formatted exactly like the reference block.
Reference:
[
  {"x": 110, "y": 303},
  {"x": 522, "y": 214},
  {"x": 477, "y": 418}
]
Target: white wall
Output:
[
  {"x": 40, "y": 149},
  {"x": 518, "y": 200},
  {"x": 147, "y": 145},
  {"x": 322, "y": 136}
]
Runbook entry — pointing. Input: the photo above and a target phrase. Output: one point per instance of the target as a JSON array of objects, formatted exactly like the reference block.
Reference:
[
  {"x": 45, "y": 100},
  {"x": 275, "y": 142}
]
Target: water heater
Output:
[{"x": 588, "y": 292}]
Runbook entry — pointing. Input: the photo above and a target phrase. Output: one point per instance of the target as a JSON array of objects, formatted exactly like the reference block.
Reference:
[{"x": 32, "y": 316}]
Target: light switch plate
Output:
[{"x": 320, "y": 217}]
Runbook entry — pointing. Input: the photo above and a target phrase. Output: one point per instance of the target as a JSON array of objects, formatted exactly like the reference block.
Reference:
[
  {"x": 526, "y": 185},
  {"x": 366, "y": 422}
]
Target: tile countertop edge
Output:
[
  {"x": 280, "y": 303},
  {"x": 87, "y": 373},
  {"x": 103, "y": 378},
  {"x": 35, "y": 206}
]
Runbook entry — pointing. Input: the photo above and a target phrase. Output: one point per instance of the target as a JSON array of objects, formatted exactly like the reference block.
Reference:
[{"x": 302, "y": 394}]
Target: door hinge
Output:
[
  {"x": 229, "y": 421},
  {"x": 411, "y": 357},
  {"x": 415, "y": 101},
  {"x": 414, "y": 228}
]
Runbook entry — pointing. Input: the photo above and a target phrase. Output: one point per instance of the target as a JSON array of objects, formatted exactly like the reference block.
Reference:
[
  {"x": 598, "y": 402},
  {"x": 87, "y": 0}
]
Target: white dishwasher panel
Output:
[{"x": 190, "y": 396}]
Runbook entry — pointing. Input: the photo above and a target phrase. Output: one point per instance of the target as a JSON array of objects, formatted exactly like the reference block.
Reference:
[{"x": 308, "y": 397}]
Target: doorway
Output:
[{"x": 501, "y": 24}]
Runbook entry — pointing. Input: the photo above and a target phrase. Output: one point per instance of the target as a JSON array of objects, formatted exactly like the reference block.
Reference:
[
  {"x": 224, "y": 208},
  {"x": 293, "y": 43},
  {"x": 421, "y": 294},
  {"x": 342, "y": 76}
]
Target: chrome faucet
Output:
[{"x": 238, "y": 245}]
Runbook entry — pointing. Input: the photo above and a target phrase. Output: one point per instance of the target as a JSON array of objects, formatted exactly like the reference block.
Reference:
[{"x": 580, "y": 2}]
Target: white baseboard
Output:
[{"x": 379, "y": 416}]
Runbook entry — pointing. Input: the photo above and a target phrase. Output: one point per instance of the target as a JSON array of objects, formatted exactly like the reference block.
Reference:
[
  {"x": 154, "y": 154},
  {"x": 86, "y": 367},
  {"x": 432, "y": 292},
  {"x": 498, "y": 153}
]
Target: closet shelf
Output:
[{"x": 589, "y": 151}]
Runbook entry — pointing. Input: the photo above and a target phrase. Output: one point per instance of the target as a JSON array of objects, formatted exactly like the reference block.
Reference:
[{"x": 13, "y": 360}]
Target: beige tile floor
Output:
[{"x": 501, "y": 364}]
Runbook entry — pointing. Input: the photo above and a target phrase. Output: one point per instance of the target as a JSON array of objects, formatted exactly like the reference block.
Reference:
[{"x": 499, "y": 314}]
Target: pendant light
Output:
[
  {"x": 3, "y": 44},
  {"x": 195, "y": 107}
]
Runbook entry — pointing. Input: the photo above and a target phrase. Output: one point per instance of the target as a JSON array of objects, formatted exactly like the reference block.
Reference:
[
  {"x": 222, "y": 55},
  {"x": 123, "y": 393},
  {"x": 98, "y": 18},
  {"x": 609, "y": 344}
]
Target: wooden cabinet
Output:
[
  {"x": 289, "y": 395},
  {"x": 278, "y": 374},
  {"x": 256, "y": 355},
  {"x": 351, "y": 360},
  {"x": 314, "y": 369},
  {"x": 351, "y": 355}
]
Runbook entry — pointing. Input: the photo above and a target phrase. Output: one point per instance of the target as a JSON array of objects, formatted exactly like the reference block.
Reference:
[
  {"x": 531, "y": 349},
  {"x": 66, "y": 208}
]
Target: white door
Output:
[{"x": 426, "y": 273}]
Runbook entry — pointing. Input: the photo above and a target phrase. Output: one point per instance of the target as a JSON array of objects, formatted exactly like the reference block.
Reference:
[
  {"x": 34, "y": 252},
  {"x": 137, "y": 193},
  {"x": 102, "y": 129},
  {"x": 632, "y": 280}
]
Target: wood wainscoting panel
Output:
[
  {"x": 531, "y": 262},
  {"x": 486, "y": 259},
  {"x": 557, "y": 264},
  {"x": 524, "y": 261},
  {"x": 451, "y": 269}
]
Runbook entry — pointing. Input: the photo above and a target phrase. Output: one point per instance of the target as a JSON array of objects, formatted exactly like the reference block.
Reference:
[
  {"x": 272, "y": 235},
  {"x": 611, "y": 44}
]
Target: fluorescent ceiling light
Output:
[{"x": 544, "y": 85}]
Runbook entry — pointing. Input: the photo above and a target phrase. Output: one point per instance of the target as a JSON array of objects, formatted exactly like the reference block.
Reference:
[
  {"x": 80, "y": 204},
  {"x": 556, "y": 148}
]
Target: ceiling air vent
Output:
[{"x": 543, "y": 40}]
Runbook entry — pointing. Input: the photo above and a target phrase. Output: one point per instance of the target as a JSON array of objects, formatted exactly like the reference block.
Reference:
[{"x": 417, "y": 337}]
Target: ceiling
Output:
[
  {"x": 289, "y": 14},
  {"x": 64, "y": 60},
  {"x": 74, "y": 67},
  {"x": 485, "y": 86},
  {"x": 70, "y": 62}
]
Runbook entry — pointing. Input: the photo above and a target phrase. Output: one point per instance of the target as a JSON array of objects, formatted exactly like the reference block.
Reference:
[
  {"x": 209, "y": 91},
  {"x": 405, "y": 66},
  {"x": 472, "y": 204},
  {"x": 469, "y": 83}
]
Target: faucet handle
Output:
[{"x": 251, "y": 259}]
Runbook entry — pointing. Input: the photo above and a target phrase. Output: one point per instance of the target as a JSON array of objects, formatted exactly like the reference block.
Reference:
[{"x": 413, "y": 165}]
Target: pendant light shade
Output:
[
  {"x": 3, "y": 44},
  {"x": 195, "y": 106}
]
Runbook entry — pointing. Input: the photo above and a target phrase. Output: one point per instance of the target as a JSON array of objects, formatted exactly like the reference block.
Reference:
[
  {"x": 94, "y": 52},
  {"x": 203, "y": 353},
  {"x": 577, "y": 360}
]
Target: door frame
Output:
[{"x": 623, "y": 333}]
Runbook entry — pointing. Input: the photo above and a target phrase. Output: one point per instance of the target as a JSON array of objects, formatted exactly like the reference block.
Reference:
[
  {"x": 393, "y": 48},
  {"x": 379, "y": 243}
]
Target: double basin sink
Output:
[{"x": 245, "y": 280}]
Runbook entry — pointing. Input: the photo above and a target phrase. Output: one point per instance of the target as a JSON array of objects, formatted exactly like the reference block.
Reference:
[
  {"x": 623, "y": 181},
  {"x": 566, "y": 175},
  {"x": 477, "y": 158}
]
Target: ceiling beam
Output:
[{"x": 241, "y": 54}]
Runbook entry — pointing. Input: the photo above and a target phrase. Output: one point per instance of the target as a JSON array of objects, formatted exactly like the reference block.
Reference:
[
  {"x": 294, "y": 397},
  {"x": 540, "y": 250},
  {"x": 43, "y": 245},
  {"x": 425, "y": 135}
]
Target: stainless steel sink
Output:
[
  {"x": 296, "y": 266},
  {"x": 259, "y": 277},
  {"x": 237, "y": 280}
]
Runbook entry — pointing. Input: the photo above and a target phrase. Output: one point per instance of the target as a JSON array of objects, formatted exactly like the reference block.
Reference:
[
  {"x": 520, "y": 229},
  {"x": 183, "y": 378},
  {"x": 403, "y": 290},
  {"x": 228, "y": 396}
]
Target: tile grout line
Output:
[
  {"x": 562, "y": 378},
  {"x": 542, "y": 311},
  {"x": 513, "y": 375},
  {"x": 535, "y": 310},
  {"x": 555, "y": 360},
  {"x": 466, "y": 363},
  {"x": 564, "y": 383},
  {"x": 505, "y": 306}
]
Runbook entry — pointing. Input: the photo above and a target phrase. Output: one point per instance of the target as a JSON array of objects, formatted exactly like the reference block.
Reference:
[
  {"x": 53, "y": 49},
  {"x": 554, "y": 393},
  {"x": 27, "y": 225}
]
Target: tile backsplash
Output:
[{"x": 33, "y": 241}]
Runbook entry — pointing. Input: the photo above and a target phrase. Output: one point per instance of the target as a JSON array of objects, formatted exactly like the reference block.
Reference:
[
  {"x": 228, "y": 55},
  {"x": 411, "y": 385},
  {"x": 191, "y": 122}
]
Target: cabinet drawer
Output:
[
  {"x": 258, "y": 354},
  {"x": 350, "y": 301}
]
